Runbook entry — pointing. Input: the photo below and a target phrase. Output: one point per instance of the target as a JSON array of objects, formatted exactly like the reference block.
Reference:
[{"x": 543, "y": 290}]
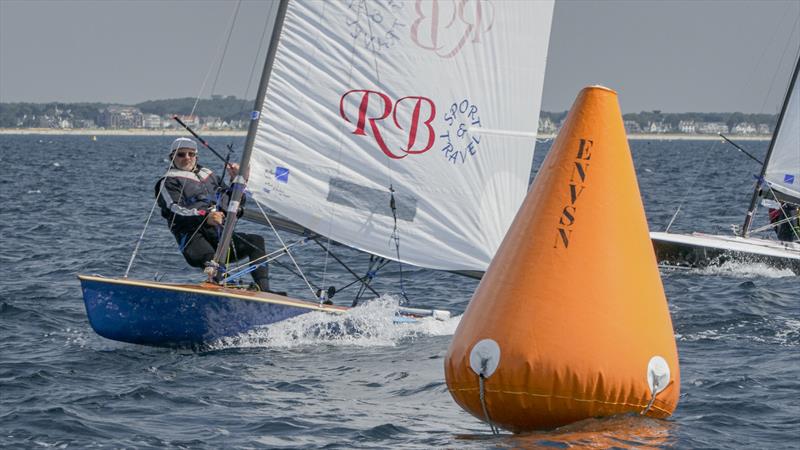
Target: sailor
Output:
[
  {"x": 788, "y": 230},
  {"x": 193, "y": 200}
]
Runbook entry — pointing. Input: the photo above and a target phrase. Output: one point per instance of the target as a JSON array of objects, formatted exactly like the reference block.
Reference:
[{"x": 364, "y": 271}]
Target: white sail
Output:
[
  {"x": 366, "y": 95},
  {"x": 783, "y": 168}
]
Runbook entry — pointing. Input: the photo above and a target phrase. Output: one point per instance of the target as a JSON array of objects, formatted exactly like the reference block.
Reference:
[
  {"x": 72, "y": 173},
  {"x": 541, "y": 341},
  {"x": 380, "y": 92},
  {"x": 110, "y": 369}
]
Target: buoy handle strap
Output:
[
  {"x": 658, "y": 378},
  {"x": 653, "y": 398}
]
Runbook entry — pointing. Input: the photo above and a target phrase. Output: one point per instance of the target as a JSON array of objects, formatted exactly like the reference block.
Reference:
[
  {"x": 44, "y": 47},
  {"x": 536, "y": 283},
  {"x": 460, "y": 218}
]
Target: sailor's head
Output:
[{"x": 183, "y": 153}]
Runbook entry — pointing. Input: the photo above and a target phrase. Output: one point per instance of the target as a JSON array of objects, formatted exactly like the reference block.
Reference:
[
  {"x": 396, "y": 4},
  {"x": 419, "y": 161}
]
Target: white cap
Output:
[{"x": 183, "y": 142}]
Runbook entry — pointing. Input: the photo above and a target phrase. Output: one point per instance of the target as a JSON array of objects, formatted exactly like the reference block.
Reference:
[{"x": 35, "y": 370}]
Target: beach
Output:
[{"x": 180, "y": 132}]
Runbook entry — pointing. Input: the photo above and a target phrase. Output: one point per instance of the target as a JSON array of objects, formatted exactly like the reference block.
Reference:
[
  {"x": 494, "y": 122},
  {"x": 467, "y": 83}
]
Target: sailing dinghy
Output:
[
  {"x": 404, "y": 130},
  {"x": 779, "y": 182}
]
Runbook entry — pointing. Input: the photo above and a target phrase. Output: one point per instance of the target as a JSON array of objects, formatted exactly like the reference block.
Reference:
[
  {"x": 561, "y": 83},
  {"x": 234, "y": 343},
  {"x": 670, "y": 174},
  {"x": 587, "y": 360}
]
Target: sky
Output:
[{"x": 670, "y": 55}]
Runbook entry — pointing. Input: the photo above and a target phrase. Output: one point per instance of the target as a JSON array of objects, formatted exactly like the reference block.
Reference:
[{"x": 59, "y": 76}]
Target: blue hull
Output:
[{"x": 170, "y": 315}]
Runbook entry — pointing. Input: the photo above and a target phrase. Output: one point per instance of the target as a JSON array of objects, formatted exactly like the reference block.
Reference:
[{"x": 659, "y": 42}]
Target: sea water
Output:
[{"x": 72, "y": 205}]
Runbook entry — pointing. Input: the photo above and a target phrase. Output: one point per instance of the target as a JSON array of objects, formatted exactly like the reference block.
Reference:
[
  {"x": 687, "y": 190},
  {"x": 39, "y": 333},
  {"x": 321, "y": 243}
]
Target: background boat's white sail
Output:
[
  {"x": 437, "y": 99},
  {"x": 783, "y": 167}
]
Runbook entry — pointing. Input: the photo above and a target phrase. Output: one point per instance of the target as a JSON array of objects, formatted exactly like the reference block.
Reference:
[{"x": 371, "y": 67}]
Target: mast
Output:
[
  {"x": 748, "y": 220},
  {"x": 240, "y": 182}
]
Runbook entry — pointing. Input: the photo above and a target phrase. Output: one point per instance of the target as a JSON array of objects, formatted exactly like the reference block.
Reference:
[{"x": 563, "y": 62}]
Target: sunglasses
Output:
[{"x": 186, "y": 154}]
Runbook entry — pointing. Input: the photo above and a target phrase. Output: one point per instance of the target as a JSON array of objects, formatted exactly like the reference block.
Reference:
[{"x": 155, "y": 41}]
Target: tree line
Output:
[
  {"x": 644, "y": 118},
  {"x": 13, "y": 115},
  {"x": 231, "y": 108}
]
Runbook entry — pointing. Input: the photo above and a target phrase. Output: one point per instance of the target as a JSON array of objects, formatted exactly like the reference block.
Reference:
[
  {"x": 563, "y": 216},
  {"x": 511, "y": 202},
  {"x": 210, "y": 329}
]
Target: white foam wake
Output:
[
  {"x": 371, "y": 324},
  {"x": 745, "y": 270}
]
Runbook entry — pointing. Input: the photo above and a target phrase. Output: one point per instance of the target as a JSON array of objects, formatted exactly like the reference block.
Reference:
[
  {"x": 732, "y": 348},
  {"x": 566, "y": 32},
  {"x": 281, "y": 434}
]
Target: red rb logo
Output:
[{"x": 411, "y": 115}]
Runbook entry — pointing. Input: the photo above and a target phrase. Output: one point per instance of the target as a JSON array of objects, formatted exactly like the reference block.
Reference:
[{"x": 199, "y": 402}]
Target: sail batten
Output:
[{"x": 366, "y": 97}]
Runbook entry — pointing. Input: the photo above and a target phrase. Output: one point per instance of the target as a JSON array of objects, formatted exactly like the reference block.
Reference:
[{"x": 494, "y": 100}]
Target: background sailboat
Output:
[
  {"x": 779, "y": 181},
  {"x": 402, "y": 129}
]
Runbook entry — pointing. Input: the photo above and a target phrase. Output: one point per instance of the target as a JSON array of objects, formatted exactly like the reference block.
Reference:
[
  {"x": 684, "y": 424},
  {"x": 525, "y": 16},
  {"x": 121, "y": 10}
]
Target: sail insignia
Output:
[{"x": 366, "y": 95}]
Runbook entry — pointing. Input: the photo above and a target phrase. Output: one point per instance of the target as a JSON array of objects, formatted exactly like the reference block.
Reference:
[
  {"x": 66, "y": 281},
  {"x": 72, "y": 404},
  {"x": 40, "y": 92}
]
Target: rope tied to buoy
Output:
[{"x": 481, "y": 379}]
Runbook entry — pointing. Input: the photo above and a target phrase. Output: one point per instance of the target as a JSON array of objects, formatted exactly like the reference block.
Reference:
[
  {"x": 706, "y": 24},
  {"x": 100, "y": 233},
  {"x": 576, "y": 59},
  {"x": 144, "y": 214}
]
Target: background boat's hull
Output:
[
  {"x": 178, "y": 315},
  {"x": 700, "y": 250}
]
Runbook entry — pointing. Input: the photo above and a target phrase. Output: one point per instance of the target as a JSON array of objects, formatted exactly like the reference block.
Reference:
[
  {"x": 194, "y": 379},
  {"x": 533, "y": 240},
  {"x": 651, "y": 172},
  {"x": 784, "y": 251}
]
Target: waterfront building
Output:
[
  {"x": 687, "y": 126},
  {"x": 659, "y": 127},
  {"x": 121, "y": 117},
  {"x": 744, "y": 128},
  {"x": 712, "y": 127}
]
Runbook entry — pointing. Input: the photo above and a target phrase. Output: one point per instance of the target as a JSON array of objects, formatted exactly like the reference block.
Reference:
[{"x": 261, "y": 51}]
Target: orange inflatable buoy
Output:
[{"x": 571, "y": 321}]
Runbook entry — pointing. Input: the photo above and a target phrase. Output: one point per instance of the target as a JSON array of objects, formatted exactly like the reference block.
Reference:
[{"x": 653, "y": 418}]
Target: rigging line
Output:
[
  {"x": 261, "y": 40},
  {"x": 221, "y": 50},
  {"x": 227, "y": 42},
  {"x": 747, "y": 83},
  {"x": 395, "y": 236},
  {"x": 691, "y": 186},
  {"x": 361, "y": 280},
  {"x": 294, "y": 272},
  {"x": 158, "y": 195},
  {"x": 741, "y": 149},
  {"x": 331, "y": 208},
  {"x": 269, "y": 19},
  {"x": 329, "y": 252},
  {"x": 302, "y": 275},
  {"x": 782, "y": 58},
  {"x": 339, "y": 150},
  {"x": 139, "y": 241},
  {"x": 268, "y": 258},
  {"x": 775, "y": 224},
  {"x": 372, "y": 46},
  {"x": 786, "y": 217},
  {"x": 147, "y": 223},
  {"x": 172, "y": 222},
  {"x": 366, "y": 280}
]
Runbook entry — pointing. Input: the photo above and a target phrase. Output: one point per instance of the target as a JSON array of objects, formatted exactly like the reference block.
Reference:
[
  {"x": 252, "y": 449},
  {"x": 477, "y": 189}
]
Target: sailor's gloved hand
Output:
[{"x": 216, "y": 218}]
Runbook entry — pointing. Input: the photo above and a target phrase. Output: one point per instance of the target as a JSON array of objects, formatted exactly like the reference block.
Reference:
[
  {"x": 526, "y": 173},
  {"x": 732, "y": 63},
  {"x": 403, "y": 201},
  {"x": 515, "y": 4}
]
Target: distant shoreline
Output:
[
  {"x": 128, "y": 132},
  {"x": 242, "y": 133}
]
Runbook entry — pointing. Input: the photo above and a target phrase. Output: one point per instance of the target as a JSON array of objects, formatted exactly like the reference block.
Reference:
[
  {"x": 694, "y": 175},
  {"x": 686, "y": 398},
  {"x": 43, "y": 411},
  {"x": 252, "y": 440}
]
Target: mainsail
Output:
[
  {"x": 415, "y": 120},
  {"x": 782, "y": 171}
]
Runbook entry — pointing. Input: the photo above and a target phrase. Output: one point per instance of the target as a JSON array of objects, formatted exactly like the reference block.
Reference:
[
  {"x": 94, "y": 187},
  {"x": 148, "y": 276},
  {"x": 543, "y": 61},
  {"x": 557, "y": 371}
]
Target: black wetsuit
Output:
[{"x": 186, "y": 198}]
